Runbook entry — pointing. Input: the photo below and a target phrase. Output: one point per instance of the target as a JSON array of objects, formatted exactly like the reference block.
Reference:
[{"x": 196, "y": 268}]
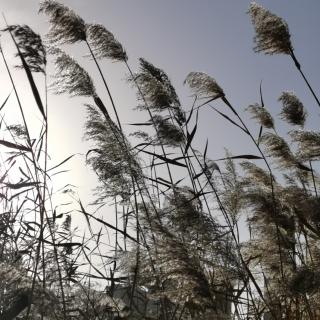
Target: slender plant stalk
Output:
[{"x": 298, "y": 66}]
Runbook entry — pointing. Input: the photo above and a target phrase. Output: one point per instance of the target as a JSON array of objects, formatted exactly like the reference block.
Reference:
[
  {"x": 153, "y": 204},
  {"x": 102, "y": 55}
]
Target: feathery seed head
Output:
[
  {"x": 111, "y": 158},
  {"x": 278, "y": 148},
  {"x": 308, "y": 144},
  {"x": 66, "y": 25},
  {"x": 182, "y": 272},
  {"x": 304, "y": 204},
  {"x": 157, "y": 90},
  {"x": 292, "y": 109},
  {"x": 210, "y": 167},
  {"x": 30, "y": 46},
  {"x": 162, "y": 79},
  {"x": 256, "y": 176},
  {"x": 18, "y": 131},
  {"x": 104, "y": 44},
  {"x": 263, "y": 207},
  {"x": 272, "y": 32},
  {"x": 167, "y": 132},
  {"x": 70, "y": 77},
  {"x": 203, "y": 85},
  {"x": 185, "y": 215},
  {"x": 262, "y": 115}
]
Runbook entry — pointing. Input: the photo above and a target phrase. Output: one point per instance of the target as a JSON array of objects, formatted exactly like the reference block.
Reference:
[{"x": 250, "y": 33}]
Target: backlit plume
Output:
[
  {"x": 104, "y": 44},
  {"x": 292, "y": 109},
  {"x": 203, "y": 85},
  {"x": 66, "y": 25},
  {"x": 272, "y": 32}
]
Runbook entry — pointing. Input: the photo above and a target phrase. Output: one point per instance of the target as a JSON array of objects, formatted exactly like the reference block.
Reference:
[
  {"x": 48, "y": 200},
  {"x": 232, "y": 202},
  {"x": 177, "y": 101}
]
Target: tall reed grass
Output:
[{"x": 177, "y": 250}]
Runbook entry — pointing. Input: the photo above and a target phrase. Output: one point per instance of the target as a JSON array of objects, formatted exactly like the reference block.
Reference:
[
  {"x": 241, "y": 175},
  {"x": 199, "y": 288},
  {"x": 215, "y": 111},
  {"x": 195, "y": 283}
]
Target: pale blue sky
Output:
[{"x": 214, "y": 36}]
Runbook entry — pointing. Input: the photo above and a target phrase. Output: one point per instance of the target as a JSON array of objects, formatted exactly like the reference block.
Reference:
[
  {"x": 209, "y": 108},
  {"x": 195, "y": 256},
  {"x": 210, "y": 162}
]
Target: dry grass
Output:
[{"x": 176, "y": 251}]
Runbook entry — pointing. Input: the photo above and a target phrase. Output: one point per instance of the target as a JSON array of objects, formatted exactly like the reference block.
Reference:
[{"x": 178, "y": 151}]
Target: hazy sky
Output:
[{"x": 179, "y": 36}]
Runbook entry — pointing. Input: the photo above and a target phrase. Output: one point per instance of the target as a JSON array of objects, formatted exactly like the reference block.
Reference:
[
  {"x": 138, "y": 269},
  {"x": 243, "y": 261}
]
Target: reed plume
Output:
[
  {"x": 203, "y": 85},
  {"x": 308, "y": 144},
  {"x": 293, "y": 110},
  {"x": 70, "y": 77},
  {"x": 104, "y": 44},
  {"x": 65, "y": 25},
  {"x": 156, "y": 90},
  {"x": 168, "y": 133},
  {"x": 262, "y": 115},
  {"x": 30, "y": 46},
  {"x": 273, "y": 37},
  {"x": 110, "y": 158},
  {"x": 272, "y": 32},
  {"x": 279, "y": 149}
]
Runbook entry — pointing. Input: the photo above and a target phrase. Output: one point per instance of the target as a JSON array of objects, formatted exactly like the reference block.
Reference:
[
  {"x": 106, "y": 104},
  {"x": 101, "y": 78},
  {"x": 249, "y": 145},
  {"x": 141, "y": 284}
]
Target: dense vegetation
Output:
[{"x": 176, "y": 250}]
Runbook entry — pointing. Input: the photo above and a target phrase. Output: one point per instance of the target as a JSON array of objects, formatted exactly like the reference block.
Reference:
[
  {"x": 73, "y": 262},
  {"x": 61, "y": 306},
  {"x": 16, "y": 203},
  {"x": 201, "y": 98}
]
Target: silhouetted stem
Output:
[
  {"x": 313, "y": 179},
  {"x": 151, "y": 117},
  {"x": 41, "y": 201},
  {"x": 298, "y": 66},
  {"x": 123, "y": 138},
  {"x": 225, "y": 100},
  {"x": 105, "y": 84}
]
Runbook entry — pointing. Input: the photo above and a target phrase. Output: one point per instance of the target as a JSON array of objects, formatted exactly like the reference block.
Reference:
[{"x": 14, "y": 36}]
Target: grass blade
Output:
[
  {"x": 242, "y": 156},
  {"x": 5, "y": 101},
  {"x": 14, "y": 146},
  {"x": 165, "y": 159}
]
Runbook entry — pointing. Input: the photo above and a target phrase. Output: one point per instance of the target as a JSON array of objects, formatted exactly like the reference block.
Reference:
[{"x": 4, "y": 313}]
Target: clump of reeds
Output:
[{"x": 177, "y": 242}]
